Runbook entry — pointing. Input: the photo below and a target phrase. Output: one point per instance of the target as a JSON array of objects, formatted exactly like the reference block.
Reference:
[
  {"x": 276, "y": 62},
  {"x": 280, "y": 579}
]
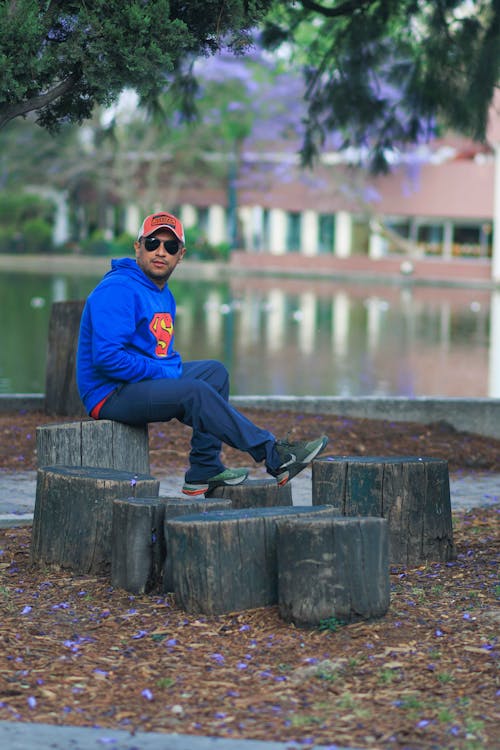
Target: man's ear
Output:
[{"x": 137, "y": 246}]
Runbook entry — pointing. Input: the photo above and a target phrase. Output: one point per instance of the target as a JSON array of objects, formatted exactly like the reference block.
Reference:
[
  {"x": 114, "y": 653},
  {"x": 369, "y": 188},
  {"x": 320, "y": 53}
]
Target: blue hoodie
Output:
[{"x": 126, "y": 333}]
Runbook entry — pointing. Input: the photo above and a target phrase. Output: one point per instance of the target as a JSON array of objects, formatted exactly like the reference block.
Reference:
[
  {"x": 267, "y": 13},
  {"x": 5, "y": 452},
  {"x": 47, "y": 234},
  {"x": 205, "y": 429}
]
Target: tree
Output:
[
  {"x": 60, "y": 59},
  {"x": 388, "y": 73}
]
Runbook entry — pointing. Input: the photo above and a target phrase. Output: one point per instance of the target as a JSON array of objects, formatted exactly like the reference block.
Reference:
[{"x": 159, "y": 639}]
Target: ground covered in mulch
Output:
[
  {"x": 169, "y": 442},
  {"x": 75, "y": 651}
]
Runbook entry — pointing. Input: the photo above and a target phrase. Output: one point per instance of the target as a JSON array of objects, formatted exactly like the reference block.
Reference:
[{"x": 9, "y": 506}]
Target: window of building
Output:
[
  {"x": 326, "y": 233},
  {"x": 293, "y": 227},
  {"x": 202, "y": 220},
  {"x": 467, "y": 240},
  {"x": 430, "y": 238}
]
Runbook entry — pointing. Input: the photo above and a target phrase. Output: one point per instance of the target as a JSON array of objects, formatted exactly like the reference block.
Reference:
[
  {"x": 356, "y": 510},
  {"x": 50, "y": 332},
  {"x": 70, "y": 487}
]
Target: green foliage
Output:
[
  {"x": 25, "y": 223},
  {"x": 330, "y": 623},
  {"x": 97, "y": 244},
  {"x": 84, "y": 53},
  {"x": 198, "y": 246}
]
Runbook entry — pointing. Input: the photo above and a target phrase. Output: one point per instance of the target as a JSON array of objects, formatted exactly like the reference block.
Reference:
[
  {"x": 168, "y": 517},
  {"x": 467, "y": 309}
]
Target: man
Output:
[{"x": 129, "y": 371}]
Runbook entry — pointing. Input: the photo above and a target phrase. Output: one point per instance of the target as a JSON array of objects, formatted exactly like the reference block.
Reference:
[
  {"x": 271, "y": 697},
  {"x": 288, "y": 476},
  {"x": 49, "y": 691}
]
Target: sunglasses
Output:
[{"x": 153, "y": 243}]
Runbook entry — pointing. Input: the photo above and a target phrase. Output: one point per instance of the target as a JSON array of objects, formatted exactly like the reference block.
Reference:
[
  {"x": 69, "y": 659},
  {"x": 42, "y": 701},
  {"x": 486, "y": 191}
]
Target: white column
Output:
[
  {"x": 133, "y": 219},
  {"x": 343, "y": 234},
  {"x": 216, "y": 225},
  {"x": 61, "y": 231},
  {"x": 245, "y": 221},
  {"x": 188, "y": 215},
  {"x": 309, "y": 233},
  {"x": 447, "y": 240},
  {"x": 378, "y": 245},
  {"x": 277, "y": 231},
  {"x": 495, "y": 265},
  {"x": 494, "y": 355}
]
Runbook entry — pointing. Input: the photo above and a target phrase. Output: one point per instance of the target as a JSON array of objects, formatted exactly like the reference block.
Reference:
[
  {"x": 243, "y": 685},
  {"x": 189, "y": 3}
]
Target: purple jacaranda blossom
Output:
[
  {"x": 140, "y": 634},
  {"x": 438, "y": 633},
  {"x": 218, "y": 658},
  {"x": 242, "y": 665},
  {"x": 146, "y": 693},
  {"x": 26, "y": 610},
  {"x": 243, "y": 628},
  {"x": 172, "y": 642},
  {"x": 423, "y": 723},
  {"x": 32, "y": 701}
]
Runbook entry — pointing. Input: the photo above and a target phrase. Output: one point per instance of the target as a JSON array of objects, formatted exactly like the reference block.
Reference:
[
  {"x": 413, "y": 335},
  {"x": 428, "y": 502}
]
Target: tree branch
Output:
[
  {"x": 37, "y": 102},
  {"x": 341, "y": 10}
]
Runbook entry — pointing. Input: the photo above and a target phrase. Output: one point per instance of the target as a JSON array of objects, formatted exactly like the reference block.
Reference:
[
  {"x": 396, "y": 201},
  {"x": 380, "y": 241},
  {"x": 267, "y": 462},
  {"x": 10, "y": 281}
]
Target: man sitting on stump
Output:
[{"x": 129, "y": 371}]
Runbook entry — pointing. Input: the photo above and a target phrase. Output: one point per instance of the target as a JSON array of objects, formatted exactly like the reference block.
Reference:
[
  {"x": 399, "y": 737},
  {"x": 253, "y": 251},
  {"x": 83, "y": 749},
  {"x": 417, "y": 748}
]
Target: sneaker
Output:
[
  {"x": 226, "y": 477},
  {"x": 295, "y": 457}
]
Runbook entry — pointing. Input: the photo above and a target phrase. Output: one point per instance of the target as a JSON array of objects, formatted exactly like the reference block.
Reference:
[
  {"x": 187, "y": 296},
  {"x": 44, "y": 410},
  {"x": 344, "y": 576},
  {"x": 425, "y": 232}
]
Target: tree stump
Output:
[
  {"x": 72, "y": 520},
  {"x": 175, "y": 507},
  {"x": 103, "y": 443},
  {"x": 138, "y": 550},
  {"x": 332, "y": 568},
  {"x": 255, "y": 493},
  {"x": 61, "y": 392},
  {"x": 225, "y": 561},
  {"x": 412, "y": 493}
]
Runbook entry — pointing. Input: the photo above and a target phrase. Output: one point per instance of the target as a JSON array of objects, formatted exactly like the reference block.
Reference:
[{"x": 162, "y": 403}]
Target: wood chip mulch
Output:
[{"x": 73, "y": 650}]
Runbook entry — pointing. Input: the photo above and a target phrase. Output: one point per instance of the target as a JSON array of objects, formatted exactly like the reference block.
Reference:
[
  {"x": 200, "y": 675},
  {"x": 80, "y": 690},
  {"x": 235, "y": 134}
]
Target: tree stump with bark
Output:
[
  {"x": 255, "y": 493},
  {"x": 90, "y": 442},
  {"x": 72, "y": 519},
  {"x": 225, "y": 561},
  {"x": 138, "y": 550},
  {"x": 412, "y": 493},
  {"x": 332, "y": 568},
  {"x": 61, "y": 392}
]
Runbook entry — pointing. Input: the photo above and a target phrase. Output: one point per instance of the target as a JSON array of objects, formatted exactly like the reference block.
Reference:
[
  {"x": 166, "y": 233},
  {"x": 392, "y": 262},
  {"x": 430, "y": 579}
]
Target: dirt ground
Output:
[{"x": 425, "y": 676}]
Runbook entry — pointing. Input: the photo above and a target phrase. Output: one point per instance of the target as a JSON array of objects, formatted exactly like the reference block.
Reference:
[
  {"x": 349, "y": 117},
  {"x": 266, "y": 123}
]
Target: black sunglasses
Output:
[{"x": 153, "y": 243}]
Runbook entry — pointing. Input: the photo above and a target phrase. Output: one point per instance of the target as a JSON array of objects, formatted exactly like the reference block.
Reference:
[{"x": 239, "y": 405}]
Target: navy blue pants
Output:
[{"x": 199, "y": 398}]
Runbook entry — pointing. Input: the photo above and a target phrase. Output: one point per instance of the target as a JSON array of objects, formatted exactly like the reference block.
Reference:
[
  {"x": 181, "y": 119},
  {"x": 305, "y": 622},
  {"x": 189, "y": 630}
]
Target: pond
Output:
[{"x": 291, "y": 337}]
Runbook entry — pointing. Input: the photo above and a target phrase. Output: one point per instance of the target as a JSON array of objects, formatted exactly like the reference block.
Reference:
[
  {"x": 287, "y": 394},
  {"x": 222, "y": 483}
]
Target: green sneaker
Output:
[
  {"x": 226, "y": 477},
  {"x": 295, "y": 457}
]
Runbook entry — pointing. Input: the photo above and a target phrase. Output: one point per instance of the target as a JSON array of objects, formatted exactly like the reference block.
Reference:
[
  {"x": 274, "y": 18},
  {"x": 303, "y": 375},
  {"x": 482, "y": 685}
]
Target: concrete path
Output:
[
  {"x": 21, "y": 735},
  {"x": 17, "y": 492}
]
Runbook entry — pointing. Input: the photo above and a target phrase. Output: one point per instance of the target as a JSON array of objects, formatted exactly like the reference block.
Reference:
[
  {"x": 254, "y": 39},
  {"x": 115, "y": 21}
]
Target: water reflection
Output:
[{"x": 293, "y": 336}]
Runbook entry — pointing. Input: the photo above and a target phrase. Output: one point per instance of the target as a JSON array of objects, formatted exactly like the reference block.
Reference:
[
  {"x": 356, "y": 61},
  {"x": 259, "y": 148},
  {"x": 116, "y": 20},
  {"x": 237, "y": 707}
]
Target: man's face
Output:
[{"x": 158, "y": 264}]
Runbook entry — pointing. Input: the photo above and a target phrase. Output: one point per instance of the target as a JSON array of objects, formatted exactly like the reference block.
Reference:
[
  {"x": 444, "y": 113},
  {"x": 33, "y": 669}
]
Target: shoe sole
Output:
[
  {"x": 202, "y": 489},
  {"x": 282, "y": 480}
]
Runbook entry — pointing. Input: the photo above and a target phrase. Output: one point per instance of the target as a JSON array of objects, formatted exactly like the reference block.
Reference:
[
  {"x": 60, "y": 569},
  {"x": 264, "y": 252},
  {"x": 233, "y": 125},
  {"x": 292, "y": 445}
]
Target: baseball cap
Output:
[{"x": 161, "y": 220}]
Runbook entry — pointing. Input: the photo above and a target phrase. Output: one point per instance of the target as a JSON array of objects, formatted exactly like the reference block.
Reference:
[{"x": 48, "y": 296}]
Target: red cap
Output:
[{"x": 161, "y": 221}]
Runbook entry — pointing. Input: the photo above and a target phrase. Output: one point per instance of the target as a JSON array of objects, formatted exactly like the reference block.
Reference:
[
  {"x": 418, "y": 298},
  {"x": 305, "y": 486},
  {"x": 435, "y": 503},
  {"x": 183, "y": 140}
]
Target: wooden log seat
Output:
[
  {"x": 255, "y": 493},
  {"x": 72, "y": 519},
  {"x": 411, "y": 492},
  {"x": 332, "y": 567},
  {"x": 61, "y": 393},
  {"x": 138, "y": 550},
  {"x": 225, "y": 561},
  {"x": 94, "y": 443}
]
